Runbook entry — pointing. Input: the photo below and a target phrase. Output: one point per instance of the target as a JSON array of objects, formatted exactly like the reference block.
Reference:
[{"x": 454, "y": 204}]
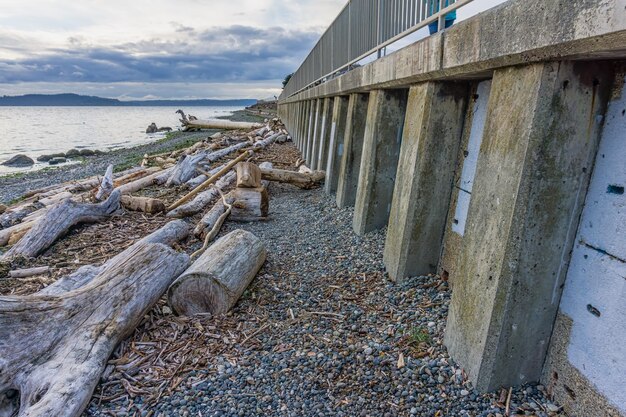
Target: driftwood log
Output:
[
  {"x": 299, "y": 179},
  {"x": 55, "y": 344},
  {"x": 209, "y": 181},
  {"x": 106, "y": 185},
  {"x": 29, "y": 272},
  {"x": 187, "y": 166},
  {"x": 216, "y": 280},
  {"x": 58, "y": 220},
  {"x": 210, "y": 219},
  {"x": 250, "y": 204},
  {"x": 248, "y": 175},
  {"x": 143, "y": 182},
  {"x": 201, "y": 200},
  {"x": 143, "y": 204},
  {"x": 196, "y": 124}
]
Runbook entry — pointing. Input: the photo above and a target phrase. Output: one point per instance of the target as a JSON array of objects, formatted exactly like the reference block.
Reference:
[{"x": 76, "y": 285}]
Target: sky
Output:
[{"x": 152, "y": 49}]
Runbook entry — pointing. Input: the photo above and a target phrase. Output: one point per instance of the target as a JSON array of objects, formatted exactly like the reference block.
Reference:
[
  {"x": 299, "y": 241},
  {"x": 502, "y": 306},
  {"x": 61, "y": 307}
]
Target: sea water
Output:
[{"x": 35, "y": 131}]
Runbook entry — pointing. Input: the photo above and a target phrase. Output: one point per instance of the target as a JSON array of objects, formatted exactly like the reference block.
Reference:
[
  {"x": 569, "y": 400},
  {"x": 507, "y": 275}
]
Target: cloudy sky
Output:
[{"x": 157, "y": 48}]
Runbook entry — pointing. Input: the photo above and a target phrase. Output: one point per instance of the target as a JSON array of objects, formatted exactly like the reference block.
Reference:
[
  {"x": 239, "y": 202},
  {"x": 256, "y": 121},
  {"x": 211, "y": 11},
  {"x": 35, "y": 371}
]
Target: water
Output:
[{"x": 36, "y": 131}]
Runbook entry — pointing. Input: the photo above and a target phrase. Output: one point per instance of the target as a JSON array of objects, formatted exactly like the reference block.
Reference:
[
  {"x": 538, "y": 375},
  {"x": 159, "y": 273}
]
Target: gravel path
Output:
[{"x": 328, "y": 335}]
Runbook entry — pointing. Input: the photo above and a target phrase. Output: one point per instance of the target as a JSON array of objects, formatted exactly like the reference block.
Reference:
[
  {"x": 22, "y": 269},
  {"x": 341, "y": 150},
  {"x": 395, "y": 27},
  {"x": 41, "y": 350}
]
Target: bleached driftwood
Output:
[
  {"x": 250, "y": 204},
  {"x": 201, "y": 200},
  {"x": 29, "y": 272},
  {"x": 143, "y": 204},
  {"x": 299, "y": 179},
  {"x": 6, "y": 235},
  {"x": 58, "y": 220},
  {"x": 106, "y": 185},
  {"x": 144, "y": 182},
  {"x": 187, "y": 166},
  {"x": 216, "y": 280},
  {"x": 196, "y": 124},
  {"x": 55, "y": 343},
  {"x": 210, "y": 219},
  {"x": 209, "y": 181},
  {"x": 248, "y": 175}
]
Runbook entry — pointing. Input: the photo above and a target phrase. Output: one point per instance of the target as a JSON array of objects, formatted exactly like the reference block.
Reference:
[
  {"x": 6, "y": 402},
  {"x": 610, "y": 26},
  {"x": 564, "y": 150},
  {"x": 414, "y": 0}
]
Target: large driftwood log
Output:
[
  {"x": 58, "y": 220},
  {"x": 216, "y": 280},
  {"x": 201, "y": 200},
  {"x": 299, "y": 179},
  {"x": 250, "y": 204},
  {"x": 55, "y": 344},
  {"x": 196, "y": 124},
  {"x": 248, "y": 175}
]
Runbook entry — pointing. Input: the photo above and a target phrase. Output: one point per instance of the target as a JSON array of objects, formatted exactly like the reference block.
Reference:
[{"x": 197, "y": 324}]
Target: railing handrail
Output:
[{"x": 326, "y": 50}]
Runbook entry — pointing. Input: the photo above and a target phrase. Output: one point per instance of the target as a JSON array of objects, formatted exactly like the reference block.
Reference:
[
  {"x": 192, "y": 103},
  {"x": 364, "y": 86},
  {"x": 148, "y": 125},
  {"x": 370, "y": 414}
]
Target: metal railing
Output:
[{"x": 363, "y": 28}]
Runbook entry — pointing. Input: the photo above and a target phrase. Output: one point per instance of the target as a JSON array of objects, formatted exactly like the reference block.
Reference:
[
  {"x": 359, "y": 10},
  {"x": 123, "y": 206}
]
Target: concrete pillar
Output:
[
  {"x": 350, "y": 165},
  {"x": 430, "y": 141},
  {"x": 314, "y": 144},
  {"x": 379, "y": 160},
  {"x": 305, "y": 127},
  {"x": 324, "y": 133},
  {"x": 536, "y": 156},
  {"x": 311, "y": 131},
  {"x": 335, "y": 144}
]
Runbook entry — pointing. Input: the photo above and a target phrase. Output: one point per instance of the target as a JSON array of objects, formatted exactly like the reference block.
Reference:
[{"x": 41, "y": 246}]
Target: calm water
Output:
[{"x": 35, "y": 131}]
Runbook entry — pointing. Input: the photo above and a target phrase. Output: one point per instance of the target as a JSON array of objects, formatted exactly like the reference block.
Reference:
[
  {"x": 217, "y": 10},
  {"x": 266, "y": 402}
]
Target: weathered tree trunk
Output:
[
  {"x": 144, "y": 182},
  {"x": 218, "y": 124},
  {"x": 143, "y": 204},
  {"x": 216, "y": 280},
  {"x": 299, "y": 179},
  {"x": 201, "y": 200},
  {"x": 250, "y": 204},
  {"x": 54, "y": 344},
  {"x": 248, "y": 175},
  {"x": 6, "y": 234},
  {"x": 209, "y": 220},
  {"x": 58, "y": 220}
]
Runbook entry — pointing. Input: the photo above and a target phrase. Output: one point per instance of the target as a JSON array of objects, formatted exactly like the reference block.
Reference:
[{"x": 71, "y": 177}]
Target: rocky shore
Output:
[{"x": 13, "y": 186}]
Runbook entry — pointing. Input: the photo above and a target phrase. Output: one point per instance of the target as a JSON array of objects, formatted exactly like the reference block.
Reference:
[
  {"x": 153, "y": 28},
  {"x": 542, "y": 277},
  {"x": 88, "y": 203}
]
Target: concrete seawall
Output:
[{"x": 494, "y": 154}]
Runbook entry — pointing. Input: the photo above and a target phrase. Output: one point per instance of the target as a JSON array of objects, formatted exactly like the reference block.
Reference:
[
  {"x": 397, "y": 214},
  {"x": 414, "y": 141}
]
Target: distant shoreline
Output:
[{"x": 76, "y": 100}]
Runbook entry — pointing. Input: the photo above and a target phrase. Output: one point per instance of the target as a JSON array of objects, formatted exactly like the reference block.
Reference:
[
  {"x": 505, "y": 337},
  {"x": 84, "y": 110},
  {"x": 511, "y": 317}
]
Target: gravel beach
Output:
[{"x": 325, "y": 331}]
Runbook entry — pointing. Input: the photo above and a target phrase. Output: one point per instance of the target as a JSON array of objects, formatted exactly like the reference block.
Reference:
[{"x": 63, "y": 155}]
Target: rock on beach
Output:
[{"x": 20, "y": 160}]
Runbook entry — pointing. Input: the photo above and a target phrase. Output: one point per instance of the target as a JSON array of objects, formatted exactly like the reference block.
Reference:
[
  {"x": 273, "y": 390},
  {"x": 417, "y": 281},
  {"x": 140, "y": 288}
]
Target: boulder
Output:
[
  {"x": 164, "y": 129},
  {"x": 98, "y": 152},
  {"x": 72, "y": 153},
  {"x": 87, "y": 152},
  {"x": 57, "y": 160},
  {"x": 152, "y": 128},
  {"x": 46, "y": 158},
  {"x": 20, "y": 160}
]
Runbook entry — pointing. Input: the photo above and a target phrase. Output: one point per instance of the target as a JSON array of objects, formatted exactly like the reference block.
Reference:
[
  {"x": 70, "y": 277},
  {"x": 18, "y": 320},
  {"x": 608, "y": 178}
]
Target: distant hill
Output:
[{"x": 78, "y": 100}]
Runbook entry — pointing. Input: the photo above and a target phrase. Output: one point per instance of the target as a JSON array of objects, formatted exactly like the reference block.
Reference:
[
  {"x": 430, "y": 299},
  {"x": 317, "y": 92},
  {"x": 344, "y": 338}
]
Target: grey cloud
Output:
[{"x": 232, "y": 54}]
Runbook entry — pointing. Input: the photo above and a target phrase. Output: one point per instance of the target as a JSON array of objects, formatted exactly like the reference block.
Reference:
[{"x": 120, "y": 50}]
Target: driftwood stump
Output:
[
  {"x": 250, "y": 204},
  {"x": 216, "y": 280},
  {"x": 54, "y": 344},
  {"x": 248, "y": 175},
  {"x": 58, "y": 220}
]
